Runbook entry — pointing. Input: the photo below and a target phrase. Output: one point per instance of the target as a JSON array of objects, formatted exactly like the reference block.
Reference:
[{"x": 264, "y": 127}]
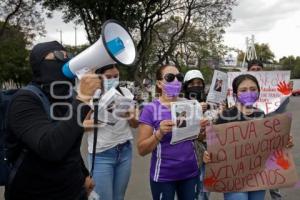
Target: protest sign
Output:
[
  {"x": 250, "y": 155},
  {"x": 273, "y": 89},
  {"x": 186, "y": 116},
  {"x": 218, "y": 89}
]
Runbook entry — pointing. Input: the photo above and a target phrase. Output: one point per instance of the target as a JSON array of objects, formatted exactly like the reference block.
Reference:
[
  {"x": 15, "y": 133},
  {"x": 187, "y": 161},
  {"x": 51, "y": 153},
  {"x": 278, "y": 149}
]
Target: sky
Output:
[{"x": 275, "y": 22}]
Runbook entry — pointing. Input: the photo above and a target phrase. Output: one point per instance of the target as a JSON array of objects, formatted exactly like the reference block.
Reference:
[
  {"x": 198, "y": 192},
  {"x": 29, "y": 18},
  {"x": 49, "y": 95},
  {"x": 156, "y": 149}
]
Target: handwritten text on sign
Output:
[{"x": 250, "y": 155}]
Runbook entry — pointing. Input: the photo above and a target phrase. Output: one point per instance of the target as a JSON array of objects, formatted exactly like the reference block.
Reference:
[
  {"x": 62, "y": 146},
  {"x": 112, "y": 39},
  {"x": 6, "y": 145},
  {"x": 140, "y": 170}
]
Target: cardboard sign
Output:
[
  {"x": 273, "y": 89},
  {"x": 250, "y": 155}
]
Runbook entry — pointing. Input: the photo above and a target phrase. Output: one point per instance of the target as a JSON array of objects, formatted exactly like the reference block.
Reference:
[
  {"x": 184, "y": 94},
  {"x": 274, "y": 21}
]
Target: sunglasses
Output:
[
  {"x": 59, "y": 55},
  {"x": 170, "y": 77}
]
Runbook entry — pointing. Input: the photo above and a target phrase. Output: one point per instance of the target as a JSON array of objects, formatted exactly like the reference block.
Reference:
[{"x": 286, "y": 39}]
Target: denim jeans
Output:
[
  {"x": 202, "y": 194},
  {"x": 112, "y": 171},
  {"x": 185, "y": 189},
  {"x": 254, "y": 195}
]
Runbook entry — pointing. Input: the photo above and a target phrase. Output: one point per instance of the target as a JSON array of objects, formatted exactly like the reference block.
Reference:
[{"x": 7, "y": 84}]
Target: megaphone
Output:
[{"x": 115, "y": 46}]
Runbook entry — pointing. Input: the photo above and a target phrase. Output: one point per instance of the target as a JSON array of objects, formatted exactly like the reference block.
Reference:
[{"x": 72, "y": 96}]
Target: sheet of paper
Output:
[{"x": 186, "y": 115}]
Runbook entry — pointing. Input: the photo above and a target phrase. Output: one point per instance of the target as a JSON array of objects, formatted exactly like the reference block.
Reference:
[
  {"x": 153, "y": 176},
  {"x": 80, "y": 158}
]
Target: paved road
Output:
[{"x": 139, "y": 189}]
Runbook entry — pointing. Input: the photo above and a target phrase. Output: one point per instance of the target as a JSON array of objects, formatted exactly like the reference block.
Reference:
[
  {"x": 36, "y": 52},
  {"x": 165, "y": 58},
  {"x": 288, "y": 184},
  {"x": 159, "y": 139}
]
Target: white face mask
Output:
[{"x": 110, "y": 83}]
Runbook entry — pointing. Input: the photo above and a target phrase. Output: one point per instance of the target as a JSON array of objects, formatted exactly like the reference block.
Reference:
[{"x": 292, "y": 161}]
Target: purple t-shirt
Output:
[{"x": 168, "y": 162}]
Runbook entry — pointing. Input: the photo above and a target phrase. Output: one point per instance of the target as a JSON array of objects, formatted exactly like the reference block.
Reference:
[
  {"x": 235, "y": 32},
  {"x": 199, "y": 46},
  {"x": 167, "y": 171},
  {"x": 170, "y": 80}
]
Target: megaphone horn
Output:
[{"x": 115, "y": 45}]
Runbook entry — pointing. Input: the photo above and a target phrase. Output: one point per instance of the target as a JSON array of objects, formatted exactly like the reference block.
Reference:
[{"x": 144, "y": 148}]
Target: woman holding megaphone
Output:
[{"x": 112, "y": 164}]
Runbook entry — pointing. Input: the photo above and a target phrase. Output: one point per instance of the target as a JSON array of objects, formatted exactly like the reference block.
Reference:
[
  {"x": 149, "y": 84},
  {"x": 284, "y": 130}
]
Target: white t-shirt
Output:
[{"x": 110, "y": 135}]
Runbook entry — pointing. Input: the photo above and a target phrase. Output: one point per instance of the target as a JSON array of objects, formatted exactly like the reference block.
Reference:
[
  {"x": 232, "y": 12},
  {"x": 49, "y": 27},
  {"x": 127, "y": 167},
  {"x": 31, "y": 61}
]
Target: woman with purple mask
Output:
[
  {"x": 173, "y": 167},
  {"x": 246, "y": 92}
]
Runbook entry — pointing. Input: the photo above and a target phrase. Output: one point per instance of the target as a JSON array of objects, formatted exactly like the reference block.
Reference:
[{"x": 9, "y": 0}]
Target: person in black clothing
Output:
[{"x": 52, "y": 168}]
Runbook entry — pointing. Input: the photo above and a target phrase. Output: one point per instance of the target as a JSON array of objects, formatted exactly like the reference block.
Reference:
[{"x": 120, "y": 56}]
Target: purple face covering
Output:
[
  {"x": 173, "y": 88},
  {"x": 248, "y": 98}
]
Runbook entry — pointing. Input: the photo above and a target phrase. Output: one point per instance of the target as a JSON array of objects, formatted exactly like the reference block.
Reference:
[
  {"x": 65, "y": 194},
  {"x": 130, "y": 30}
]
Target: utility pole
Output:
[
  {"x": 75, "y": 38},
  {"x": 60, "y": 35}
]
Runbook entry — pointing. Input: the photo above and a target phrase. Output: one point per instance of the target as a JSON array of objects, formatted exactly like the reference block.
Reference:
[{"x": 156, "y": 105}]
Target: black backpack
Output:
[{"x": 7, "y": 168}]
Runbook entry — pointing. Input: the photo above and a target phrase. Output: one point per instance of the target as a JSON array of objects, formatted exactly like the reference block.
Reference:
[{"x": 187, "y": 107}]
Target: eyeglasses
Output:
[
  {"x": 170, "y": 77},
  {"x": 59, "y": 55}
]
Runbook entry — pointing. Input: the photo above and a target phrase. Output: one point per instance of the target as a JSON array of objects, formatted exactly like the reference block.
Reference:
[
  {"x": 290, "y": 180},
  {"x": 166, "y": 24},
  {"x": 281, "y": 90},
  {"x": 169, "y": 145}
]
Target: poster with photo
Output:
[
  {"x": 218, "y": 89},
  {"x": 186, "y": 116}
]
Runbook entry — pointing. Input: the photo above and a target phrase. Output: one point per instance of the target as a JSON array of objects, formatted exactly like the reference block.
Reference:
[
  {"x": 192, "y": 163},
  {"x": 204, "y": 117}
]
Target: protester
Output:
[
  {"x": 246, "y": 92},
  {"x": 173, "y": 167},
  {"x": 194, "y": 88},
  {"x": 52, "y": 167},
  {"x": 112, "y": 166},
  {"x": 255, "y": 65}
]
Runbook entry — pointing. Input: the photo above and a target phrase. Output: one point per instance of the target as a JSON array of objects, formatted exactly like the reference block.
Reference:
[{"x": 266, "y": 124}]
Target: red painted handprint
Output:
[
  {"x": 281, "y": 159},
  {"x": 284, "y": 88},
  {"x": 210, "y": 181}
]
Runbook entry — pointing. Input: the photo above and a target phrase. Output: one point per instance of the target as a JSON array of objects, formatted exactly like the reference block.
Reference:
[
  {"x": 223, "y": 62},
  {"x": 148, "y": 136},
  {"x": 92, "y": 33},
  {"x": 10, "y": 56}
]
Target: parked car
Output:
[{"x": 296, "y": 92}]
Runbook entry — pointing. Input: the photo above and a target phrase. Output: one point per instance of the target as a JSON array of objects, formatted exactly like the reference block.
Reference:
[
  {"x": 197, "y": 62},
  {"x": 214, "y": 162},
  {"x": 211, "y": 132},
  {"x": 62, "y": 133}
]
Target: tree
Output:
[
  {"x": 14, "y": 65},
  {"x": 21, "y": 14},
  {"x": 291, "y": 63},
  {"x": 145, "y": 19},
  {"x": 263, "y": 53}
]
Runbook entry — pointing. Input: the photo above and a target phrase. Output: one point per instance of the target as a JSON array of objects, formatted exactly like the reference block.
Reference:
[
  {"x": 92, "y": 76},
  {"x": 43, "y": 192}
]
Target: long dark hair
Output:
[{"x": 239, "y": 79}]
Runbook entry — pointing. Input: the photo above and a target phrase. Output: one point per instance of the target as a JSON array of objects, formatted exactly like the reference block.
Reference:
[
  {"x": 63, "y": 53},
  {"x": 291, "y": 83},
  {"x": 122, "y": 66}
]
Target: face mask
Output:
[
  {"x": 51, "y": 71},
  {"x": 110, "y": 83},
  {"x": 247, "y": 98},
  {"x": 195, "y": 92},
  {"x": 172, "y": 89}
]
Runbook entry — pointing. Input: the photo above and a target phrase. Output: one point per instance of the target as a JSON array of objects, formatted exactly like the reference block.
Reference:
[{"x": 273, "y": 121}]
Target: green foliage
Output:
[
  {"x": 14, "y": 57},
  {"x": 291, "y": 63},
  {"x": 25, "y": 15},
  {"x": 263, "y": 53},
  {"x": 159, "y": 27}
]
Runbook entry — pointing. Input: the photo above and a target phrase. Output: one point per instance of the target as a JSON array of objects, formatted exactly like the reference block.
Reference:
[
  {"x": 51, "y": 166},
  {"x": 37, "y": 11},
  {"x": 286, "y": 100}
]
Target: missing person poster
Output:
[
  {"x": 274, "y": 89},
  {"x": 186, "y": 116},
  {"x": 250, "y": 155},
  {"x": 218, "y": 89}
]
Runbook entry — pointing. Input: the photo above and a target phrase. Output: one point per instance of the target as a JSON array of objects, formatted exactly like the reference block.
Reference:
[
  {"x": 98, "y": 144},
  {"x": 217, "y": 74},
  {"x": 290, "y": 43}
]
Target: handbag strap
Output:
[{"x": 95, "y": 101}]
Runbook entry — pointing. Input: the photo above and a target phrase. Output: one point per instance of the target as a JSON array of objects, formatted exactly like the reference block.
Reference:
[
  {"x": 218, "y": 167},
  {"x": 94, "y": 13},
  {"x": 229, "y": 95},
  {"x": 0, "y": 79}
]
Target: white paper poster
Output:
[
  {"x": 218, "y": 89},
  {"x": 274, "y": 89},
  {"x": 186, "y": 116}
]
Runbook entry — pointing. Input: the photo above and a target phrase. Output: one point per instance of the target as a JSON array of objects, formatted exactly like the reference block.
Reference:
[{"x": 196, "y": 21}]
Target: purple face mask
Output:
[
  {"x": 172, "y": 89},
  {"x": 248, "y": 98}
]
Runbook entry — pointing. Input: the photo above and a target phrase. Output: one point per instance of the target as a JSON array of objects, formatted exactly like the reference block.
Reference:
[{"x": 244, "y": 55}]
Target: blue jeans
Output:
[
  {"x": 201, "y": 193},
  {"x": 254, "y": 195},
  {"x": 185, "y": 189},
  {"x": 112, "y": 171}
]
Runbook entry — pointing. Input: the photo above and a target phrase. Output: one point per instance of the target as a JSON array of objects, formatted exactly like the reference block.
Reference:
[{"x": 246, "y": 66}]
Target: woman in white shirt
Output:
[{"x": 112, "y": 165}]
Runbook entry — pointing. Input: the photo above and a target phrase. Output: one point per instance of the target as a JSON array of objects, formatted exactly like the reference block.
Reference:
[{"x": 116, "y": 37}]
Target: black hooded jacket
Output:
[{"x": 53, "y": 168}]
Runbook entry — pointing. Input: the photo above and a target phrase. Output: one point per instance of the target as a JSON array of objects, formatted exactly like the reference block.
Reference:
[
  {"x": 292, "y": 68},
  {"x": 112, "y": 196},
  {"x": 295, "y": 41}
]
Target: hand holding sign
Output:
[
  {"x": 284, "y": 88},
  {"x": 165, "y": 126}
]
